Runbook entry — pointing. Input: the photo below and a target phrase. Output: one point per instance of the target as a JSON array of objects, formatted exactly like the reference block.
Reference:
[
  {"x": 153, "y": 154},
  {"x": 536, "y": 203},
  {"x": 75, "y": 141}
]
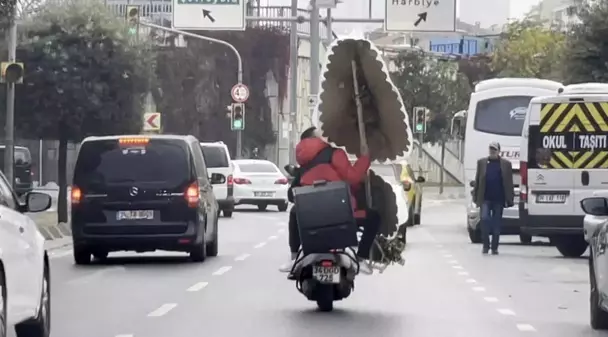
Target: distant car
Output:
[
  {"x": 259, "y": 183},
  {"x": 595, "y": 226},
  {"x": 23, "y": 169},
  {"x": 25, "y": 292},
  {"x": 217, "y": 158},
  {"x": 412, "y": 187},
  {"x": 143, "y": 193}
]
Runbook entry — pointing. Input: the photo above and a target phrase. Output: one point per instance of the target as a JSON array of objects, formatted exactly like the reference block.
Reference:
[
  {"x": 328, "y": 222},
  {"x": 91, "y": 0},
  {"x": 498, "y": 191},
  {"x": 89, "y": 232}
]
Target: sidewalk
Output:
[
  {"x": 449, "y": 192},
  {"x": 47, "y": 224}
]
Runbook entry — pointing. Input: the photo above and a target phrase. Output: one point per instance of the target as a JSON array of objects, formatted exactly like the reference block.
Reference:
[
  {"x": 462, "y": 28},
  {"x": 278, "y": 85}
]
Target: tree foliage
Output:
[
  {"x": 528, "y": 49},
  {"x": 477, "y": 68},
  {"x": 434, "y": 84},
  {"x": 586, "y": 57},
  {"x": 195, "y": 85}
]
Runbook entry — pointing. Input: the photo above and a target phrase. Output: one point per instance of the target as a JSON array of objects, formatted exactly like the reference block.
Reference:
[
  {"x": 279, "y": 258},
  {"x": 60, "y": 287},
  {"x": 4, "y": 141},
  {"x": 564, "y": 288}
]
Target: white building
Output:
[
  {"x": 556, "y": 13},
  {"x": 487, "y": 13}
]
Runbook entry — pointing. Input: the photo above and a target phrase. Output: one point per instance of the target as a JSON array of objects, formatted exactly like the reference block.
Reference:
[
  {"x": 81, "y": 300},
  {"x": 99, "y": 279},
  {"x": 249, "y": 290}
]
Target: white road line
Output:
[
  {"x": 491, "y": 299},
  {"x": 463, "y": 273},
  {"x": 453, "y": 262},
  {"x": 162, "y": 310},
  {"x": 124, "y": 336},
  {"x": 198, "y": 286},
  {"x": 439, "y": 246},
  {"x": 444, "y": 251},
  {"x": 448, "y": 256},
  {"x": 479, "y": 289},
  {"x": 457, "y": 267},
  {"x": 282, "y": 230},
  {"x": 471, "y": 280},
  {"x": 272, "y": 237},
  {"x": 525, "y": 327},
  {"x": 59, "y": 255},
  {"x": 260, "y": 245},
  {"x": 506, "y": 312},
  {"x": 223, "y": 270},
  {"x": 242, "y": 257}
]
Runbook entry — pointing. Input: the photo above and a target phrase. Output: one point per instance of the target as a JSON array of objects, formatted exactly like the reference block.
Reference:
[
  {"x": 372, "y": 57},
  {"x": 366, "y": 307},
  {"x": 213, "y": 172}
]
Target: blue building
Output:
[{"x": 465, "y": 45}]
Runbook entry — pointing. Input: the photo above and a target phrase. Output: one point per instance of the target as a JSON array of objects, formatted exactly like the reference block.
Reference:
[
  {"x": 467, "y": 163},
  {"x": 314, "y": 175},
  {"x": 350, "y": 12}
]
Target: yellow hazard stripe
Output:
[
  {"x": 579, "y": 160},
  {"x": 599, "y": 116},
  {"x": 574, "y": 117}
]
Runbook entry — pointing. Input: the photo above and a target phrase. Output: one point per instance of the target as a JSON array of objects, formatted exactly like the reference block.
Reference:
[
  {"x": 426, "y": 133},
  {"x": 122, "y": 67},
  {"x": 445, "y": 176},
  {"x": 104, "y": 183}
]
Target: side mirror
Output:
[
  {"x": 217, "y": 178},
  {"x": 597, "y": 206},
  {"x": 420, "y": 179},
  {"x": 37, "y": 202},
  {"x": 290, "y": 169},
  {"x": 472, "y": 183}
]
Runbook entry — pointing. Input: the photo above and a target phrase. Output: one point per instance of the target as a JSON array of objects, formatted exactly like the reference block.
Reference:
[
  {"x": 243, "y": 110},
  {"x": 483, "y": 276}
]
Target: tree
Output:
[
  {"x": 84, "y": 75},
  {"x": 477, "y": 68},
  {"x": 586, "y": 56},
  {"x": 528, "y": 49},
  {"x": 432, "y": 83}
]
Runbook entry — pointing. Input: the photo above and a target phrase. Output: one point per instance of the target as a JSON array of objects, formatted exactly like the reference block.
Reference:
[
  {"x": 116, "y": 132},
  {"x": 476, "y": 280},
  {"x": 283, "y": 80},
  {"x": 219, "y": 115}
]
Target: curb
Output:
[{"x": 46, "y": 223}]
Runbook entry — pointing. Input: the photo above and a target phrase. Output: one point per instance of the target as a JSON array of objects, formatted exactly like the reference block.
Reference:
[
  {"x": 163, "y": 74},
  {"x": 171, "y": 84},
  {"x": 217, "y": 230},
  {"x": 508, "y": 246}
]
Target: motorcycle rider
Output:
[{"x": 320, "y": 161}]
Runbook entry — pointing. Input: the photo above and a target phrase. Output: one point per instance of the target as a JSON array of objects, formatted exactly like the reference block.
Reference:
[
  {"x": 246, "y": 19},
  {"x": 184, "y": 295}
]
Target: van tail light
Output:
[
  {"x": 192, "y": 195},
  {"x": 406, "y": 185},
  {"x": 241, "y": 181},
  {"x": 327, "y": 263},
  {"x": 282, "y": 181},
  {"x": 523, "y": 186},
  {"x": 76, "y": 195},
  {"x": 229, "y": 181}
]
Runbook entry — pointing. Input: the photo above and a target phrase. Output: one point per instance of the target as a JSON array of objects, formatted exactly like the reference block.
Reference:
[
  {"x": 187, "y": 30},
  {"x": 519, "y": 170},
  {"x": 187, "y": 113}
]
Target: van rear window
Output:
[
  {"x": 22, "y": 156},
  {"x": 502, "y": 115},
  {"x": 215, "y": 156},
  {"x": 160, "y": 162}
]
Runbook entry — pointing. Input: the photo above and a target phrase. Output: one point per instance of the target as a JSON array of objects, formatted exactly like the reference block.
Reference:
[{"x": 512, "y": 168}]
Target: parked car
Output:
[
  {"x": 23, "y": 170},
  {"x": 412, "y": 187},
  {"x": 217, "y": 158},
  {"x": 595, "y": 228},
  {"x": 25, "y": 292},
  {"x": 143, "y": 193},
  {"x": 260, "y": 183}
]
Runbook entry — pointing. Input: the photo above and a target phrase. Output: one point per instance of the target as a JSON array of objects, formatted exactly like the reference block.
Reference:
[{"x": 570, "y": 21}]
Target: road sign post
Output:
[
  {"x": 152, "y": 122},
  {"x": 209, "y": 14},
  {"x": 420, "y": 15}
]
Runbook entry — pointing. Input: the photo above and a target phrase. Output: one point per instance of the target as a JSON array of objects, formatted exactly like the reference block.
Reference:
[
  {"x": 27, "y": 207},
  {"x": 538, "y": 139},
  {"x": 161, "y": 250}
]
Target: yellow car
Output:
[{"x": 412, "y": 188}]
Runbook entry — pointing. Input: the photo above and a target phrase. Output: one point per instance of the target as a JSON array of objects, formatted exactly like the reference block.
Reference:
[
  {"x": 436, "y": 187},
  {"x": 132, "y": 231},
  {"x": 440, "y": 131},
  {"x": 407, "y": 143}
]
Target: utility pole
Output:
[
  {"x": 293, "y": 86},
  {"x": 315, "y": 41},
  {"x": 9, "y": 129}
]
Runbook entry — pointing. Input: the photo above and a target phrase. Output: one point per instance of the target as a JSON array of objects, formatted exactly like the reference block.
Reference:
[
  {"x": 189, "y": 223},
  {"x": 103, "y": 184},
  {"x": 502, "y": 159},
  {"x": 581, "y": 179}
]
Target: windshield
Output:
[
  {"x": 160, "y": 162},
  {"x": 215, "y": 156},
  {"x": 22, "y": 156},
  {"x": 257, "y": 168},
  {"x": 502, "y": 115}
]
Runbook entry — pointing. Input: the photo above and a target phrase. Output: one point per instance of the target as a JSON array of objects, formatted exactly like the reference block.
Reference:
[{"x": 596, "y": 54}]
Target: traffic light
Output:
[
  {"x": 12, "y": 72},
  {"x": 132, "y": 16},
  {"x": 420, "y": 119},
  {"x": 237, "y": 116}
]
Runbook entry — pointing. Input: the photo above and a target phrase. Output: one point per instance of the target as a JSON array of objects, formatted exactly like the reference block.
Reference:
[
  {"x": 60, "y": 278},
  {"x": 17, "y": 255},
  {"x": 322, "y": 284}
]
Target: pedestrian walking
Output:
[{"x": 492, "y": 192}]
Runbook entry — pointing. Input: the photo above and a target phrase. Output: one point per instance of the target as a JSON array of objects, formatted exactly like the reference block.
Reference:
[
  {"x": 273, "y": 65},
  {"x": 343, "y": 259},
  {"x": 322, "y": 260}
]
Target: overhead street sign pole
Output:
[{"x": 209, "y": 14}]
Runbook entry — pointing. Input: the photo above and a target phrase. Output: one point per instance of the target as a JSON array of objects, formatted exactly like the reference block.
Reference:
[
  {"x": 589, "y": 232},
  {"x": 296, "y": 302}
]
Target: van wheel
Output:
[
  {"x": 474, "y": 235},
  {"x": 212, "y": 246},
  {"x": 570, "y": 245},
  {"x": 198, "y": 252},
  {"x": 40, "y": 326},
  {"x": 100, "y": 255},
  {"x": 411, "y": 217},
  {"x": 525, "y": 239},
  {"x": 283, "y": 207},
  {"x": 262, "y": 207},
  {"x": 227, "y": 213},
  {"x": 598, "y": 317},
  {"x": 3, "y": 315},
  {"x": 82, "y": 255}
]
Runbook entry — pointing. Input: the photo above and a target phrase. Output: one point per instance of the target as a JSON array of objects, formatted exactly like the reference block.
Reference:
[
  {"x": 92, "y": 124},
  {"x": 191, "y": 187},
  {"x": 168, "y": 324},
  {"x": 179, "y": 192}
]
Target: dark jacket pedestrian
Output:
[{"x": 492, "y": 192}]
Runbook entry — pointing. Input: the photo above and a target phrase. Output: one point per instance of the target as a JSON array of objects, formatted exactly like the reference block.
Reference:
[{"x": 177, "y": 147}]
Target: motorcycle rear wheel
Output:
[{"x": 325, "y": 298}]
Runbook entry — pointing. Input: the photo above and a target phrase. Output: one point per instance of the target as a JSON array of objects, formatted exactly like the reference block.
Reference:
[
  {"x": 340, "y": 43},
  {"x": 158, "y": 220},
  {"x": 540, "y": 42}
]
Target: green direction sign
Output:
[{"x": 209, "y": 2}]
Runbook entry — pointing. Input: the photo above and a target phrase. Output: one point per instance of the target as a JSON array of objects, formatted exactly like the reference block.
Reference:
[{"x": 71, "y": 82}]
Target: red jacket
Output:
[{"x": 339, "y": 169}]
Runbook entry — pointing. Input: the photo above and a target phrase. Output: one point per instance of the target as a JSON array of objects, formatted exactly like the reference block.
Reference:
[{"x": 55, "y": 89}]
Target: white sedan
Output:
[
  {"x": 25, "y": 297},
  {"x": 260, "y": 183}
]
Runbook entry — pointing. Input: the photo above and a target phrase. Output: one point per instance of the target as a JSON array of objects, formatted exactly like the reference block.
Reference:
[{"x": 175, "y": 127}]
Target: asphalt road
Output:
[{"x": 447, "y": 288}]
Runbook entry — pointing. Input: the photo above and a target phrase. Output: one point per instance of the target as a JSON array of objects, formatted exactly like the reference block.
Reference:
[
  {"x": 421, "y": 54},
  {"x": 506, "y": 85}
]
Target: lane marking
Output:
[
  {"x": 506, "y": 312},
  {"x": 491, "y": 299},
  {"x": 471, "y": 280},
  {"x": 457, "y": 267},
  {"x": 124, "y": 336},
  {"x": 59, "y": 255},
  {"x": 463, "y": 273},
  {"x": 479, "y": 289},
  {"x": 162, "y": 310},
  {"x": 260, "y": 245},
  {"x": 282, "y": 230},
  {"x": 198, "y": 286},
  {"x": 453, "y": 262},
  {"x": 525, "y": 327},
  {"x": 223, "y": 270},
  {"x": 272, "y": 237},
  {"x": 448, "y": 256},
  {"x": 439, "y": 246},
  {"x": 242, "y": 257}
]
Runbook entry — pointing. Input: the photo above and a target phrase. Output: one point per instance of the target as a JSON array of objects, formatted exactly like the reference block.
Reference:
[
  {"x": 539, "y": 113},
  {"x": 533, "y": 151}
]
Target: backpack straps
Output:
[{"x": 323, "y": 157}]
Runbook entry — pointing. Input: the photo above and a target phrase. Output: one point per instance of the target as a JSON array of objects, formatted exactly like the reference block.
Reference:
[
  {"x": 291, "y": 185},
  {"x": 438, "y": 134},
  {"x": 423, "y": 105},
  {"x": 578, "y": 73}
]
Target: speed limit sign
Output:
[{"x": 240, "y": 93}]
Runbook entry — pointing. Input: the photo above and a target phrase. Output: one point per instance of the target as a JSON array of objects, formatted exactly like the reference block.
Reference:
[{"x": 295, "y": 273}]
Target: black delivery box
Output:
[{"x": 325, "y": 217}]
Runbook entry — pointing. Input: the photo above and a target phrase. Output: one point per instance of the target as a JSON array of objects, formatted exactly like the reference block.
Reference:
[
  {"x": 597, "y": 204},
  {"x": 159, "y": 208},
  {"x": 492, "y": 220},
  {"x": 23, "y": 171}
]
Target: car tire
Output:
[
  {"x": 525, "y": 239},
  {"x": 570, "y": 245},
  {"x": 101, "y": 256},
  {"x": 411, "y": 217},
  {"x": 262, "y": 207},
  {"x": 474, "y": 235},
  {"x": 3, "y": 304},
  {"x": 227, "y": 213},
  {"x": 39, "y": 326},
  {"x": 198, "y": 252},
  {"x": 82, "y": 255},
  {"x": 283, "y": 207},
  {"x": 598, "y": 317},
  {"x": 212, "y": 247}
]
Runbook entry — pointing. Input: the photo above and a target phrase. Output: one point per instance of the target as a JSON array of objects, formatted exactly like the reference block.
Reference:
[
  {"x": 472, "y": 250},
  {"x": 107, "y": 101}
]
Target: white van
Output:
[
  {"x": 496, "y": 113},
  {"x": 564, "y": 160},
  {"x": 217, "y": 159}
]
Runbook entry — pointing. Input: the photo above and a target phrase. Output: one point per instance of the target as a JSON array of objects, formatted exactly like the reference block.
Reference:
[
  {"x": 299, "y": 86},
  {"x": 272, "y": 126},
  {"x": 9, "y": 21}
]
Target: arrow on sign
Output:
[
  {"x": 421, "y": 17},
  {"x": 152, "y": 121},
  {"x": 207, "y": 14}
]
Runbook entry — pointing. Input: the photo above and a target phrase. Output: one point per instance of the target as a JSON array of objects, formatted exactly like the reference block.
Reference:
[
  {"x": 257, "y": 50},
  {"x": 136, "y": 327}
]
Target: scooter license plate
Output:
[{"x": 326, "y": 274}]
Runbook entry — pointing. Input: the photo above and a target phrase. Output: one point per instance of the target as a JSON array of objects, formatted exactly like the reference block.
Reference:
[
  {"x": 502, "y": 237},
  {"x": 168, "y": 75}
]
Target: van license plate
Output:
[
  {"x": 326, "y": 274},
  {"x": 264, "y": 194},
  {"x": 551, "y": 199},
  {"x": 135, "y": 215}
]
